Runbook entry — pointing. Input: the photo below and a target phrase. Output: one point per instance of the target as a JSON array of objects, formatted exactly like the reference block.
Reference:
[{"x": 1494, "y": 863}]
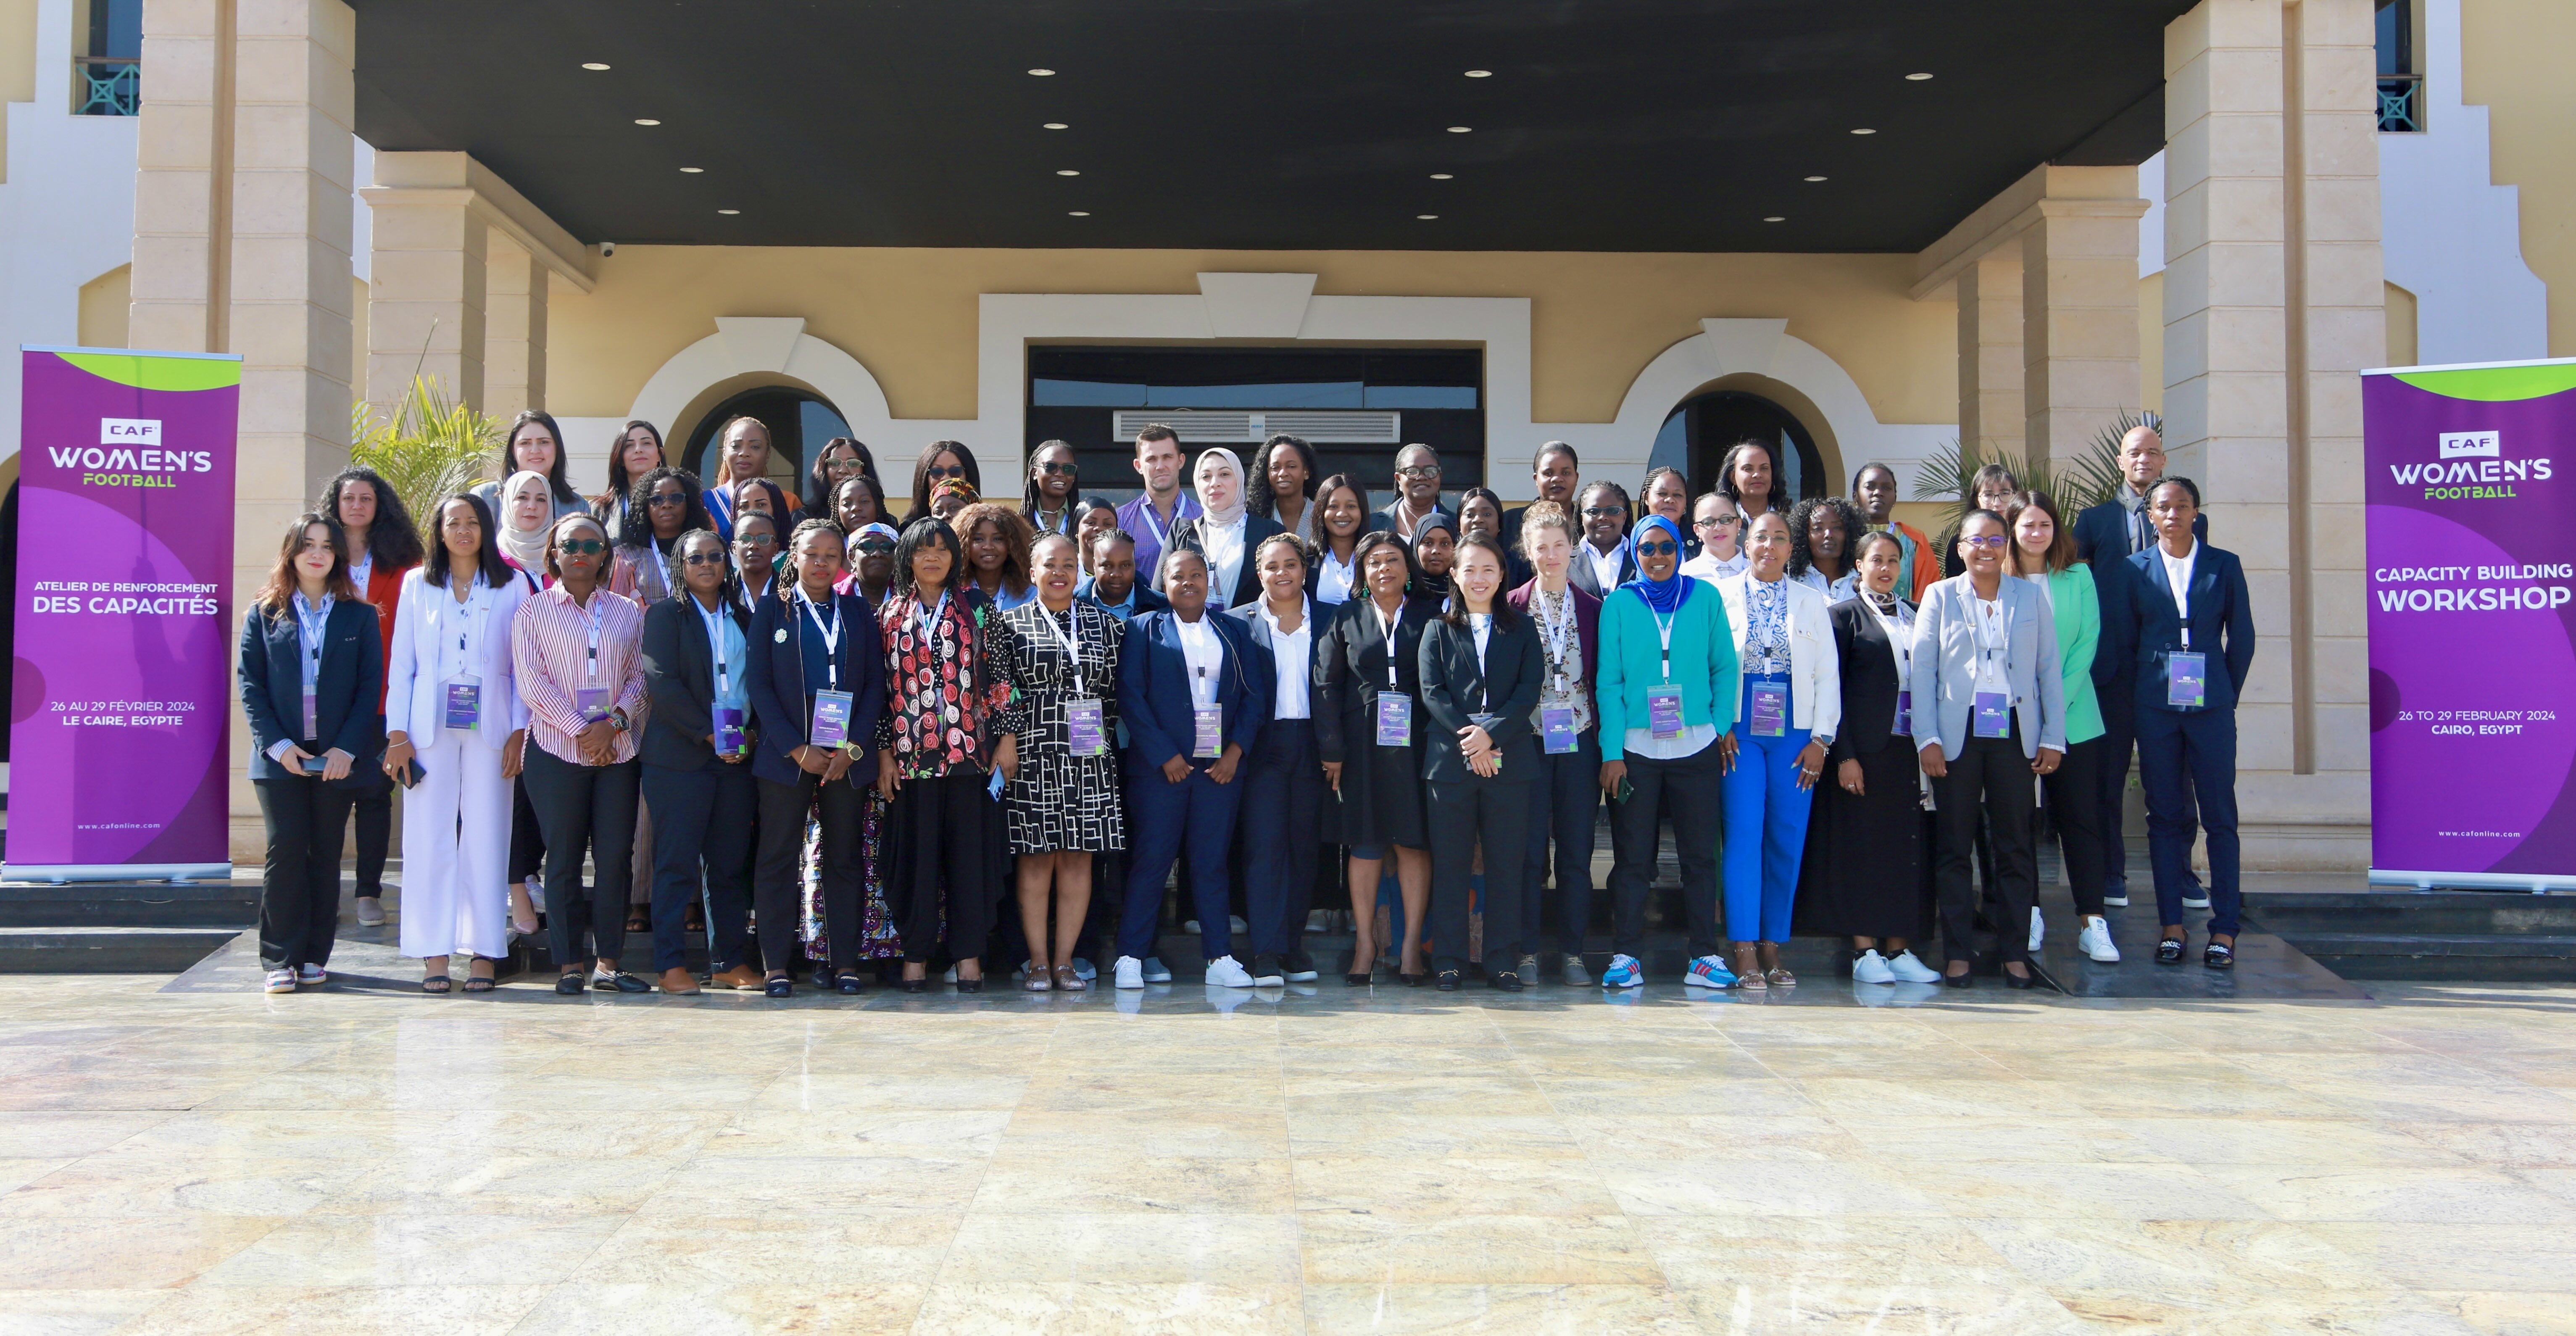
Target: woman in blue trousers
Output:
[
  {"x": 1283, "y": 795},
  {"x": 1792, "y": 703}
]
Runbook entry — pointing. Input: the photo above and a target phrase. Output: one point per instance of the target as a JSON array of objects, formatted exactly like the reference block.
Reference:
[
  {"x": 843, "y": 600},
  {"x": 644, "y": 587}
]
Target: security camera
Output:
[{"x": 607, "y": 248}]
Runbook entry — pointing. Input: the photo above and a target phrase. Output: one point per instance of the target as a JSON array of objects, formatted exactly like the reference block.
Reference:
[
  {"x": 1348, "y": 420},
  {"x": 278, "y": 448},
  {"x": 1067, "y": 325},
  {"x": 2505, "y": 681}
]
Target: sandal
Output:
[
  {"x": 2169, "y": 951},
  {"x": 438, "y": 983},
  {"x": 639, "y": 921},
  {"x": 2218, "y": 956},
  {"x": 478, "y": 984},
  {"x": 1781, "y": 978}
]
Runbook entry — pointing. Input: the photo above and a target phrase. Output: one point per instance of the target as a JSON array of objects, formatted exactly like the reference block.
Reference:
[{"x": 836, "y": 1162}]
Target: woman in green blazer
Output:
[{"x": 2043, "y": 552}]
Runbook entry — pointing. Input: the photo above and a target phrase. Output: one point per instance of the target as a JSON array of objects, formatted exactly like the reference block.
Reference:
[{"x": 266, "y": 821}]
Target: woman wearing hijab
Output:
[
  {"x": 1226, "y": 533},
  {"x": 525, "y": 526},
  {"x": 1784, "y": 726},
  {"x": 527, "y": 519},
  {"x": 1666, "y": 699},
  {"x": 1435, "y": 550}
]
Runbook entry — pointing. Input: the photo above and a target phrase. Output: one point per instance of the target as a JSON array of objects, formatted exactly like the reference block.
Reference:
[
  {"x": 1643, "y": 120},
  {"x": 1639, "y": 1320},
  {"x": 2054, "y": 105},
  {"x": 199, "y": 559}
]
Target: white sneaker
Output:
[
  {"x": 281, "y": 981},
  {"x": 2038, "y": 929},
  {"x": 1909, "y": 970},
  {"x": 1190, "y": 926},
  {"x": 1871, "y": 967},
  {"x": 1156, "y": 971},
  {"x": 2198, "y": 899},
  {"x": 1222, "y": 972},
  {"x": 310, "y": 975},
  {"x": 2117, "y": 899},
  {"x": 2095, "y": 940},
  {"x": 1131, "y": 972},
  {"x": 1319, "y": 920}
]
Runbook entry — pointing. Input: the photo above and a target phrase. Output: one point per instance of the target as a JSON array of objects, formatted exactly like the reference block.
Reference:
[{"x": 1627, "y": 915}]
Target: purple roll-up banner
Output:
[
  {"x": 120, "y": 710},
  {"x": 2471, "y": 589}
]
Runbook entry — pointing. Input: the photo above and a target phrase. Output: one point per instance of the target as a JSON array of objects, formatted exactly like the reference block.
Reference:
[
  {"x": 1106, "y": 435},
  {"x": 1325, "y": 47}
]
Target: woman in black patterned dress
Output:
[{"x": 1063, "y": 805}]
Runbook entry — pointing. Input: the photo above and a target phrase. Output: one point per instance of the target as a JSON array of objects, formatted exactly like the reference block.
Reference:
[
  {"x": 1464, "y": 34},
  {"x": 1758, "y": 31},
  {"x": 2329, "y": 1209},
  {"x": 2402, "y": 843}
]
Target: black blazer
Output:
[
  {"x": 2102, "y": 542},
  {"x": 1350, "y": 669},
  {"x": 1507, "y": 688},
  {"x": 680, "y": 671},
  {"x": 1580, "y": 575},
  {"x": 2222, "y": 625},
  {"x": 348, "y": 692},
  {"x": 1247, "y": 581},
  {"x": 778, "y": 685},
  {"x": 1382, "y": 519},
  {"x": 1869, "y": 681}
]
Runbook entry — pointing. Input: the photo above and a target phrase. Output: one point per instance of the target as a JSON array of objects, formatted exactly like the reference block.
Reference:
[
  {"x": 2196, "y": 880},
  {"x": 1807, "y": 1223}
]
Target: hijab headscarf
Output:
[
  {"x": 1229, "y": 516},
  {"x": 527, "y": 549},
  {"x": 1664, "y": 596},
  {"x": 1424, "y": 582}
]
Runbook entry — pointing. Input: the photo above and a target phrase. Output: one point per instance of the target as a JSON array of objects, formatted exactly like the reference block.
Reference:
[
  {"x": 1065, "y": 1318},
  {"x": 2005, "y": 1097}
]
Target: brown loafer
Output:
[
  {"x": 678, "y": 980},
  {"x": 741, "y": 978},
  {"x": 1066, "y": 981}
]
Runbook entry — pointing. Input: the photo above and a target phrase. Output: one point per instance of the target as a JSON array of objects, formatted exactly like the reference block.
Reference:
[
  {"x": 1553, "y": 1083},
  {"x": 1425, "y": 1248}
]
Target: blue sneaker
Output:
[
  {"x": 1624, "y": 972},
  {"x": 1709, "y": 972}
]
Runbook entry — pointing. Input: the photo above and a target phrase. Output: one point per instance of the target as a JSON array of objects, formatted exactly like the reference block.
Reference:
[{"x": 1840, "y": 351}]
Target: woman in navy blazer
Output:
[
  {"x": 1481, "y": 671},
  {"x": 1565, "y": 793},
  {"x": 2186, "y": 746},
  {"x": 1174, "y": 790},
  {"x": 807, "y": 641},
  {"x": 312, "y": 678}
]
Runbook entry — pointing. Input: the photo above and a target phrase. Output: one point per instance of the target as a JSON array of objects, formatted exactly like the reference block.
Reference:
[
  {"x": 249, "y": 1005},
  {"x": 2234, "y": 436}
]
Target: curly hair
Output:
[
  {"x": 1017, "y": 537},
  {"x": 1800, "y": 515},
  {"x": 638, "y": 502}
]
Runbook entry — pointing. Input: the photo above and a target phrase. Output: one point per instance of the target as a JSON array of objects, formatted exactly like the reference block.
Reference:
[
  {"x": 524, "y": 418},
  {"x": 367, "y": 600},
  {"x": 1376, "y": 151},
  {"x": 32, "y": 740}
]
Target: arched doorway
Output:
[
  {"x": 799, "y": 422},
  {"x": 1699, "y": 432}
]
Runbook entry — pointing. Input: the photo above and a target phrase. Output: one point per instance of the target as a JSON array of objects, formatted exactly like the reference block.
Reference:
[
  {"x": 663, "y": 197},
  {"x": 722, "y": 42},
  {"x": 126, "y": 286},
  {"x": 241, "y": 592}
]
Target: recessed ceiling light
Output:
[
  {"x": 1462, "y": 129},
  {"x": 1775, "y": 218},
  {"x": 1815, "y": 178},
  {"x": 1078, "y": 213},
  {"x": 1055, "y": 125},
  {"x": 1442, "y": 176},
  {"x": 646, "y": 120},
  {"x": 592, "y": 65},
  {"x": 728, "y": 212},
  {"x": 1917, "y": 78},
  {"x": 1042, "y": 73},
  {"x": 1480, "y": 74},
  {"x": 1068, "y": 172},
  {"x": 1864, "y": 132},
  {"x": 1426, "y": 217},
  {"x": 693, "y": 170}
]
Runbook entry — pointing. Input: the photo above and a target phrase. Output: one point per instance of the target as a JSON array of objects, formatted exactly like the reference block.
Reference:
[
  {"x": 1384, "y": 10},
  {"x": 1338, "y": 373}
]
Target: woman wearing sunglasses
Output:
[
  {"x": 841, "y": 459},
  {"x": 1052, "y": 503},
  {"x": 755, "y": 561},
  {"x": 871, "y": 571},
  {"x": 667, "y": 499},
  {"x": 697, "y": 785},
  {"x": 940, "y": 462}
]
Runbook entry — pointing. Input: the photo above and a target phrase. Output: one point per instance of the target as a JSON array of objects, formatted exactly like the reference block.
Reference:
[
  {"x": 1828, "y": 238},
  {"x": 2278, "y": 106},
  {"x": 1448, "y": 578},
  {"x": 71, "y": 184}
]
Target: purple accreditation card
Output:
[
  {"x": 728, "y": 722},
  {"x": 464, "y": 703},
  {"x": 1556, "y": 722},
  {"x": 1770, "y": 708},
  {"x": 831, "y": 719},
  {"x": 2186, "y": 679},
  {"x": 1207, "y": 730},
  {"x": 1664, "y": 711},
  {"x": 312, "y": 716},
  {"x": 1994, "y": 715},
  {"x": 1084, "y": 734},
  {"x": 593, "y": 702},
  {"x": 1904, "y": 714},
  {"x": 1394, "y": 720}
]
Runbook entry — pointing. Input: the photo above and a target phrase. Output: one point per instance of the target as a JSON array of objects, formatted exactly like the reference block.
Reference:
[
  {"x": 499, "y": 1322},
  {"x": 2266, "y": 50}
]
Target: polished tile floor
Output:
[{"x": 361, "y": 1162}]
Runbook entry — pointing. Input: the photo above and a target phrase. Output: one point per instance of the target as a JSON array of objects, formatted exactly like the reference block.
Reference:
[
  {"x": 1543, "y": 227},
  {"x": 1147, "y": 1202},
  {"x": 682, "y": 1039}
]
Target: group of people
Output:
[{"x": 830, "y": 744}]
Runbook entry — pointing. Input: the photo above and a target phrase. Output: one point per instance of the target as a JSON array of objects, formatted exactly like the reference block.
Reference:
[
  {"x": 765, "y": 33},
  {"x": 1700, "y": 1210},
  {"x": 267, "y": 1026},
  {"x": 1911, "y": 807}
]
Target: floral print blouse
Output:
[{"x": 949, "y": 689}]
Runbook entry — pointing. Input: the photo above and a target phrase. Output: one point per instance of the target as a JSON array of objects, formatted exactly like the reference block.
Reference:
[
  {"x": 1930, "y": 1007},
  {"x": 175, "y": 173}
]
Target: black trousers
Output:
[
  {"x": 527, "y": 841},
  {"x": 299, "y": 886},
  {"x": 701, "y": 817},
  {"x": 778, "y": 882},
  {"x": 1990, "y": 781},
  {"x": 585, "y": 809},
  {"x": 375, "y": 834},
  {"x": 1564, "y": 798},
  {"x": 2112, "y": 752},
  {"x": 1460, "y": 815},
  {"x": 1690, "y": 786},
  {"x": 1281, "y": 826},
  {"x": 945, "y": 832},
  {"x": 2074, "y": 813}
]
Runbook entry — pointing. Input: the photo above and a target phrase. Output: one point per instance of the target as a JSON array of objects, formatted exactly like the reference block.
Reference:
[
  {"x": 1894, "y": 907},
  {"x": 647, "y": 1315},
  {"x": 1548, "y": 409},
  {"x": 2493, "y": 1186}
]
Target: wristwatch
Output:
[{"x": 618, "y": 717}]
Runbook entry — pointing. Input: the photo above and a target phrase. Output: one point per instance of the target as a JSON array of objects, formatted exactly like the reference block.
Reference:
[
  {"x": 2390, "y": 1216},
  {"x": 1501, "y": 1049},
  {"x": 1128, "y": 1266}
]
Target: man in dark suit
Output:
[
  {"x": 2105, "y": 536},
  {"x": 701, "y": 796},
  {"x": 1556, "y": 474},
  {"x": 2184, "y": 623},
  {"x": 1417, "y": 494},
  {"x": 1603, "y": 561}
]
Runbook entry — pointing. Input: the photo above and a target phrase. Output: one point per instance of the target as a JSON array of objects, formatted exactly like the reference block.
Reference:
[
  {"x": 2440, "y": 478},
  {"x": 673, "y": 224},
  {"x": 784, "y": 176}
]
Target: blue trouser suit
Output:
[
  {"x": 1161, "y": 817},
  {"x": 1766, "y": 824}
]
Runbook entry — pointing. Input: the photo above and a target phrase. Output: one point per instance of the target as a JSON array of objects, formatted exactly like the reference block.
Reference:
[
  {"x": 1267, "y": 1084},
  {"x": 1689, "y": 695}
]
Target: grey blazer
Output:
[{"x": 1945, "y": 666}]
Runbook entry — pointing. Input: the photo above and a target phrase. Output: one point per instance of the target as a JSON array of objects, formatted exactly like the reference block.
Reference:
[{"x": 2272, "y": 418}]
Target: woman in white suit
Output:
[
  {"x": 1793, "y": 703},
  {"x": 451, "y": 702}
]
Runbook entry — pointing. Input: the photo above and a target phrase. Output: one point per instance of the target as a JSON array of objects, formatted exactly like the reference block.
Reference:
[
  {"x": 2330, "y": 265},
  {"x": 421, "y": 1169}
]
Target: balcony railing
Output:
[
  {"x": 2401, "y": 104},
  {"x": 106, "y": 85}
]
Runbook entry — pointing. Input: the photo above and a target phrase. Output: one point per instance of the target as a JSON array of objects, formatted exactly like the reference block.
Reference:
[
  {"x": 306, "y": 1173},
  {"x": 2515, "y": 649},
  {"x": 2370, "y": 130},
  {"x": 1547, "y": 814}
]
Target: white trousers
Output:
[{"x": 456, "y": 851}]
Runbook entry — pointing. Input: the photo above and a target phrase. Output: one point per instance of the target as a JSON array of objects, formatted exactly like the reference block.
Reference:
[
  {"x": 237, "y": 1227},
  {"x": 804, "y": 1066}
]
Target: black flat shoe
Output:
[
  {"x": 570, "y": 985},
  {"x": 779, "y": 987},
  {"x": 2012, "y": 980},
  {"x": 851, "y": 985},
  {"x": 2218, "y": 956},
  {"x": 2169, "y": 951},
  {"x": 621, "y": 982},
  {"x": 920, "y": 985},
  {"x": 1967, "y": 980},
  {"x": 1507, "y": 981},
  {"x": 970, "y": 985},
  {"x": 1448, "y": 981}
]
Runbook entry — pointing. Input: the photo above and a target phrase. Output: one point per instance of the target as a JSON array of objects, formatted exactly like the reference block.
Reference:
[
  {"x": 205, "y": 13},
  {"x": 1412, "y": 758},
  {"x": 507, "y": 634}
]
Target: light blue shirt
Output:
[{"x": 725, "y": 639}]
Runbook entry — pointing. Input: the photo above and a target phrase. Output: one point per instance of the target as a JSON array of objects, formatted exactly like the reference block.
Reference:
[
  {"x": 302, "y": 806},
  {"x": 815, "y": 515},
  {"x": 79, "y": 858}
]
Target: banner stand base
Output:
[
  {"x": 2535, "y": 883},
  {"x": 60, "y": 873}
]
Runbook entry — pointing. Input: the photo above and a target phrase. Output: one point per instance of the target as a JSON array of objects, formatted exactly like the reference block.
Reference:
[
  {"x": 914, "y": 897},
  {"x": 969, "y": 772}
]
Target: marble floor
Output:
[{"x": 1396, "y": 1161}]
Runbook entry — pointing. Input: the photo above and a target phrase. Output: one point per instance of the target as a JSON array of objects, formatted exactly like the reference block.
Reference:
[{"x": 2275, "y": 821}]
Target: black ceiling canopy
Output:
[{"x": 1667, "y": 125}]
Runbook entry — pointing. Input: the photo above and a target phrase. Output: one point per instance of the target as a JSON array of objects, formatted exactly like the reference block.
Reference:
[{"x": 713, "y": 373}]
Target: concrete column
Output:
[
  {"x": 514, "y": 335},
  {"x": 2080, "y": 314},
  {"x": 1990, "y": 356},
  {"x": 427, "y": 284},
  {"x": 183, "y": 148}
]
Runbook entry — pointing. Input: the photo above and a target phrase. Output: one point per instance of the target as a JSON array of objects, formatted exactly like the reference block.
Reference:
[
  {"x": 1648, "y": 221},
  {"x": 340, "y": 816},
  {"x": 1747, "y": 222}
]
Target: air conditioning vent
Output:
[{"x": 1233, "y": 427}]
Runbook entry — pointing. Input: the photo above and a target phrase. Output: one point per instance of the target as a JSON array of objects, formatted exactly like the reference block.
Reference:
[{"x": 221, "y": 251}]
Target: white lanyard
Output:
[
  {"x": 1146, "y": 513},
  {"x": 593, "y": 614},
  {"x": 1663, "y": 630},
  {"x": 2182, "y": 594},
  {"x": 715, "y": 639},
  {"x": 312, "y": 629},
  {"x": 1391, "y": 628},
  {"x": 1993, "y": 652},
  {"x": 1480, "y": 629},
  {"x": 831, "y": 633},
  {"x": 929, "y": 618},
  {"x": 1072, "y": 643},
  {"x": 1560, "y": 632},
  {"x": 472, "y": 611}
]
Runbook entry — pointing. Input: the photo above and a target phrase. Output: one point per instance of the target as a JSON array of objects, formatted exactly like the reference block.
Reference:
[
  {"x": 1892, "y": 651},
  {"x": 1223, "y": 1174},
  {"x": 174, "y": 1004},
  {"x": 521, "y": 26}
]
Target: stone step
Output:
[
  {"x": 2414, "y": 913},
  {"x": 107, "y": 950},
  {"x": 129, "y": 904}
]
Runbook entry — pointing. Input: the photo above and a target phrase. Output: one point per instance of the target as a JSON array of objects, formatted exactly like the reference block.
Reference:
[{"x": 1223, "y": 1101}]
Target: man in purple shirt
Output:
[{"x": 1150, "y": 517}]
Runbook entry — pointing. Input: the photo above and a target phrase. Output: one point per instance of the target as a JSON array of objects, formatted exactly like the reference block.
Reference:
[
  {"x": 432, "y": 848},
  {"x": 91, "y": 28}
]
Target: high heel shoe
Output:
[
  {"x": 1966, "y": 979},
  {"x": 2024, "y": 980},
  {"x": 920, "y": 985},
  {"x": 1359, "y": 973},
  {"x": 974, "y": 985}
]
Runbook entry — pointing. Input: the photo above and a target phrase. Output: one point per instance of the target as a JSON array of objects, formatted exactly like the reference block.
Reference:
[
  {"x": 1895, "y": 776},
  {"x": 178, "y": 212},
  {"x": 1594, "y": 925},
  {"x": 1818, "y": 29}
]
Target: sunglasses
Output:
[
  {"x": 1603, "y": 512},
  {"x": 661, "y": 499},
  {"x": 1656, "y": 549},
  {"x": 704, "y": 559},
  {"x": 1419, "y": 471},
  {"x": 581, "y": 547},
  {"x": 1055, "y": 470},
  {"x": 1990, "y": 540},
  {"x": 875, "y": 547},
  {"x": 937, "y": 474}
]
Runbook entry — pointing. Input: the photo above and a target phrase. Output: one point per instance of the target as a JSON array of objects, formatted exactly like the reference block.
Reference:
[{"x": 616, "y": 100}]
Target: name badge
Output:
[
  {"x": 2186, "y": 679},
  {"x": 1394, "y": 719},
  {"x": 464, "y": 702},
  {"x": 831, "y": 725},
  {"x": 1556, "y": 724},
  {"x": 312, "y": 716},
  {"x": 728, "y": 721},
  {"x": 1904, "y": 714},
  {"x": 1664, "y": 711},
  {"x": 1207, "y": 729},
  {"x": 1084, "y": 733},
  {"x": 1994, "y": 715},
  {"x": 1770, "y": 708},
  {"x": 593, "y": 702}
]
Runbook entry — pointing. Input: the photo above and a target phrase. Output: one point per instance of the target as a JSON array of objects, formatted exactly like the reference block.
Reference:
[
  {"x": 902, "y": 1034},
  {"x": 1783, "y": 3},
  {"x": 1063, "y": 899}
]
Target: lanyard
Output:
[
  {"x": 2181, "y": 595},
  {"x": 1072, "y": 644},
  {"x": 1480, "y": 631},
  {"x": 831, "y": 633},
  {"x": 592, "y": 614},
  {"x": 310, "y": 629},
  {"x": 1146, "y": 513},
  {"x": 929, "y": 618},
  {"x": 472, "y": 611},
  {"x": 1559, "y": 632},
  {"x": 715, "y": 639},
  {"x": 1663, "y": 631},
  {"x": 1391, "y": 628},
  {"x": 2002, "y": 644}
]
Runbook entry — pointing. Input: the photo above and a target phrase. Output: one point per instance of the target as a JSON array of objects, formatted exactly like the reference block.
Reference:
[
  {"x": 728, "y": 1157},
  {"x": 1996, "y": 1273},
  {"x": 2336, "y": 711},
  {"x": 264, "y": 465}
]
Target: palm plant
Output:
[
  {"x": 428, "y": 446},
  {"x": 2088, "y": 479}
]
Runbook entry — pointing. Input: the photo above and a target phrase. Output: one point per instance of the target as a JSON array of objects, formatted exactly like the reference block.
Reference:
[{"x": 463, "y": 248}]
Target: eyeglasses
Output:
[
  {"x": 1717, "y": 522},
  {"x": 704, "y": 559},
  {"x": 1056, "y": 470},
  {"x": 937, "y": 474},
  {"x": 1657, "y": 549},
  {"x": 661, "y": 499},
  {"x": 581, "y": 547},
  {"x": 1419, "y": 471},
  {"x": 1990, "y": 540},
  {"x": 1603, "y": 512},
  {"x": 757, "y": 540},
  {"x": 875, "y": 547}
]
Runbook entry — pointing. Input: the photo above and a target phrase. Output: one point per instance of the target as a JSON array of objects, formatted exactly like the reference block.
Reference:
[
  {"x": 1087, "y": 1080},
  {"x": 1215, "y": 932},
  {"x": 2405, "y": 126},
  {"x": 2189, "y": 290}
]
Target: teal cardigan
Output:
[
  {"x": 1631, "y": 660},
  {"x": 2079, "y": 630}
]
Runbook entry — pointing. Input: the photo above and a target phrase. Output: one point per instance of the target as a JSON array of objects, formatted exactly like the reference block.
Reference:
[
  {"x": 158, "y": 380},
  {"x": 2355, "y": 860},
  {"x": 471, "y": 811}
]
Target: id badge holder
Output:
[
  {"x": 593, "y": 702},
  {"x": 728, "y": 722},
  {"x": 1556, "y": 722},
  {"x": 2186, "y": 679},
  {"x": 312, "y": 716},
  {"x": 1664, "y": 711},
  {"x": 1207, "y": 731},
  {"x": 831, "y": 725},
  {"x": 1904, "y": 714},
  {"x": 1394, "y": 720},
  {"x": 1084, "y": 731},
  {"x": 1994, "y": 715},
  {"x": 464, "y": 702},
  {"x": 1770, "y": 709}
]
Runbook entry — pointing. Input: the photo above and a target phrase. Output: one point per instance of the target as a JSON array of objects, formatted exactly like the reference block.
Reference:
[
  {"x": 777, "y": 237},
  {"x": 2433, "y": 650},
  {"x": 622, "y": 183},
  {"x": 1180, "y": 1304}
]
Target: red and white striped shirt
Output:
[{"x": 550, "y": 646}]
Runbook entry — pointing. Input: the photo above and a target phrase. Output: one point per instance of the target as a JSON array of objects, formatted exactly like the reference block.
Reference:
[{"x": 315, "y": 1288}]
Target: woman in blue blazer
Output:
[
  {"x": 2186, "y": 707},
  {"x": 1181, "y": 774},
  {"x": 312, "y": 675},
  {"x": 803, "y": 644}
]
